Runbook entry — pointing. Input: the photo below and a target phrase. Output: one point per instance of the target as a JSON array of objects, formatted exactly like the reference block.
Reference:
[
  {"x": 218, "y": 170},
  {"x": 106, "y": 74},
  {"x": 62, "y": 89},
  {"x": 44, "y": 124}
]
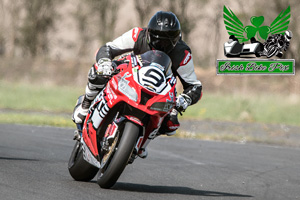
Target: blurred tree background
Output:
[
  {"x": 63, "y": 35},
  {"x": 33, "y": 28}
]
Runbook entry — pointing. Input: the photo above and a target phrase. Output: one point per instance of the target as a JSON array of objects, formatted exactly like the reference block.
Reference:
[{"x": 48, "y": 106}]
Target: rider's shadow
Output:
[{"x": 131, "y": 187}]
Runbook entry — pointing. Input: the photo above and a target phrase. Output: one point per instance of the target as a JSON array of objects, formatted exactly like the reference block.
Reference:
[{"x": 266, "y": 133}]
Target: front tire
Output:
[
  {"x": 79, "y": 168},
  {"x": 108, "y": 177}
]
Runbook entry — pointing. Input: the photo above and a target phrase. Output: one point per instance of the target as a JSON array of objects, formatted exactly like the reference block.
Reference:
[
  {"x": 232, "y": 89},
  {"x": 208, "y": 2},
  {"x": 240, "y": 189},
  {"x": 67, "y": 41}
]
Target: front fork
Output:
[{"x": 113, "y": 129}]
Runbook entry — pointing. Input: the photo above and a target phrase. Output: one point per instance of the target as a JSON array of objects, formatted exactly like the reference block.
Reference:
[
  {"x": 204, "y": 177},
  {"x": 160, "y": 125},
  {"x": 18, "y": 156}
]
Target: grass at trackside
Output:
[
  {"x": 233, "y": 137},
  {"x": 48, "y": 101},
  {"x": 38, "y": 97},
  {"x": 36, "y": 119},
  {"x": 262, "y": 108}
]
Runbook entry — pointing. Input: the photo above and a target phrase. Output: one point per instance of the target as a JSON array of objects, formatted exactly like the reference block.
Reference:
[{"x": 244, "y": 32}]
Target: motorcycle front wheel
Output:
[
  {"x": 79, "y": 168},
  {"x": 109, "y": 175}
]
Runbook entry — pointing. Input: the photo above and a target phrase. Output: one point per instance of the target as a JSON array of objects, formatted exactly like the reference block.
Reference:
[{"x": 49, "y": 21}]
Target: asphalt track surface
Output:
[{"x": 33, "y": 165}]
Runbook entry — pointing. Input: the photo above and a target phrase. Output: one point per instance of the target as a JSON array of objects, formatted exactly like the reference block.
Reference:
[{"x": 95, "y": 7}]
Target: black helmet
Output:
[
  {"x": 157, "y": 59},
  {"x": 163, "y": 31}
]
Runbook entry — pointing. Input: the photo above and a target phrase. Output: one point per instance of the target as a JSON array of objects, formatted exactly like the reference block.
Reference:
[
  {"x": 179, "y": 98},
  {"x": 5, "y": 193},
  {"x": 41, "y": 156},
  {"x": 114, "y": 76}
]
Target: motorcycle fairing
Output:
[
  {"x": 88, "y": 155},
  {"x": 121, "y": 90}
]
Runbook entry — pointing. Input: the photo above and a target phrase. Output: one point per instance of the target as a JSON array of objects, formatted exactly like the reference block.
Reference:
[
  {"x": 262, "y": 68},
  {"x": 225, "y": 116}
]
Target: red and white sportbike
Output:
[{"x": 123, "y": 118}]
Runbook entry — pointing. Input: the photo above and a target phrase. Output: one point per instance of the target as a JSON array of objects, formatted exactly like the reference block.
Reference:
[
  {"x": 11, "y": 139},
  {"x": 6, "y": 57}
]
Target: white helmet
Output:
[{"x": 288, "y": 35}]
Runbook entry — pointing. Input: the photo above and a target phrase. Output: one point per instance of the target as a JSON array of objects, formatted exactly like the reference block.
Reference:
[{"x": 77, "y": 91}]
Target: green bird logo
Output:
[{"x": 235, "y": 27}]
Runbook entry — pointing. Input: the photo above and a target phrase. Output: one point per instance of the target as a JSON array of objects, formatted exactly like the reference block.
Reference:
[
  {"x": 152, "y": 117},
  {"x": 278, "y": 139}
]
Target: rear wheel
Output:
[
  {"x": 122, "y": 151},
  {"x": 79, "y": 168}
]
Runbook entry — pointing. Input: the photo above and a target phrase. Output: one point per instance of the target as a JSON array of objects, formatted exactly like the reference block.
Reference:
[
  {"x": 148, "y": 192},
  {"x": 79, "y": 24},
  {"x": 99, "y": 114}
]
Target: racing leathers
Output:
[{"x": 136, "y": 40}]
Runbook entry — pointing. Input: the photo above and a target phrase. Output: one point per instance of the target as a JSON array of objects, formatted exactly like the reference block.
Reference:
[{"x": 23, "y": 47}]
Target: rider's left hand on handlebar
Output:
[
  {"x": 104, "y": 67},
  {"x": 182, "y": 102}
]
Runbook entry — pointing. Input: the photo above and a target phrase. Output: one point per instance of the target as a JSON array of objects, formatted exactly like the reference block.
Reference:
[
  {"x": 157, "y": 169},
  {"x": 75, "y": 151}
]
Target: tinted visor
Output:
[{"x": 164, "y": 40}]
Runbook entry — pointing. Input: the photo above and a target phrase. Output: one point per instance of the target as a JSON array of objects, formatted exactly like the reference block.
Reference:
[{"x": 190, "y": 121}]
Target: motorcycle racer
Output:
[
  {"x": 283, "y": 41},
  {"x": 162, "y": 33}
]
